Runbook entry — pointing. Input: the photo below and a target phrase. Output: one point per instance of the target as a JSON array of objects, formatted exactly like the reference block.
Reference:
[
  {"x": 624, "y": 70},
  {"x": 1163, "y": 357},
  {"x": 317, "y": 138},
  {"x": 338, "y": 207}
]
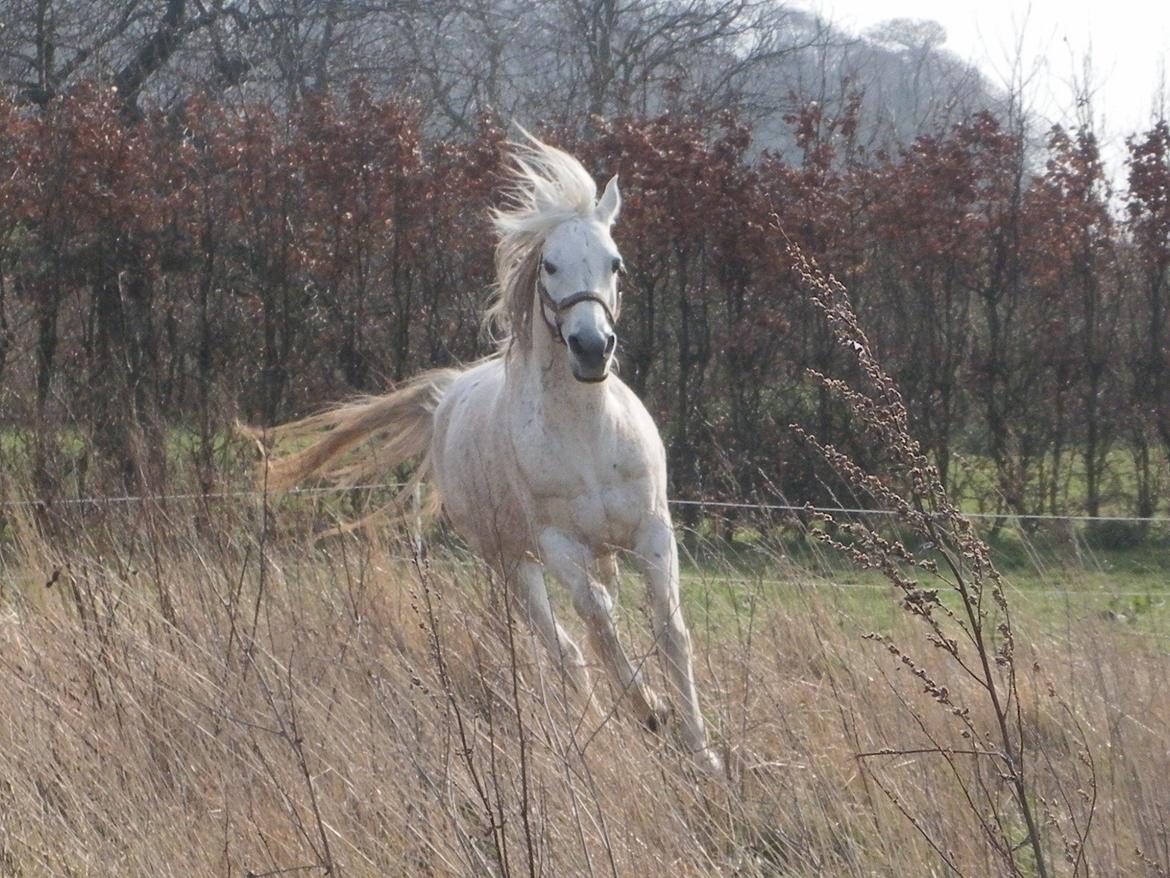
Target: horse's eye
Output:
[
  {"x": 619, "y": 267},
  {"x": 549, "y": 267}
]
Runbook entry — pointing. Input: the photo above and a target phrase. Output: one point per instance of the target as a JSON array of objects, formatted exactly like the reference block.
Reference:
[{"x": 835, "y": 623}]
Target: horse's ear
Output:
[{"x": 610, "y": 203}]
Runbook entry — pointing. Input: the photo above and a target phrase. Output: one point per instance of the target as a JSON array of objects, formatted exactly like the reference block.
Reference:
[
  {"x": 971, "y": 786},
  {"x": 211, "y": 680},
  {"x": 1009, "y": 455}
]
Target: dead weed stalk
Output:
[{"x": 949, "y": 584}]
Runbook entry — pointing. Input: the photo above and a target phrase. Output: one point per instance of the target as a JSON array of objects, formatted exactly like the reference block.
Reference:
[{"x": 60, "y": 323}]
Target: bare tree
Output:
[
  {"x": 565, "y": 62},
  {"x": 50, "y": 44}
]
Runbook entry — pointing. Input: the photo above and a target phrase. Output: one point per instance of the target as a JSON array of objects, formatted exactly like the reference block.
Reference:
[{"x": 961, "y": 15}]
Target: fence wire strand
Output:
[
  {"x": 126, "y": 499},
  {"x": 708, "y": 504}
]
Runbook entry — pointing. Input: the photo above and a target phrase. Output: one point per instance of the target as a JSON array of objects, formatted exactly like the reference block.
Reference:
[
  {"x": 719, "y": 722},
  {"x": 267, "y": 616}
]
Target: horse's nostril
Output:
[
  {"x": 610, "y": 342},
  {"x": 575, "y": 345}
]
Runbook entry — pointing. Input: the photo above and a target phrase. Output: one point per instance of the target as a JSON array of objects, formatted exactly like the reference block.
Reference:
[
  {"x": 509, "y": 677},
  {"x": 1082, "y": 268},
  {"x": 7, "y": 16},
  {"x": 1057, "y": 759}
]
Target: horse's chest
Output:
[
  {"x": 599, "y": 492},
  {"x": 610, "y": 511},
  {"x": 599, "y": 514}
]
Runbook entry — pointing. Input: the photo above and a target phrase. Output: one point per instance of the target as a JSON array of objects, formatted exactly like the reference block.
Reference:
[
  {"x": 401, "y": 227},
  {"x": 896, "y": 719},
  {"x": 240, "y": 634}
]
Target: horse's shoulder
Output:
[{"x": 631, "y": 408}]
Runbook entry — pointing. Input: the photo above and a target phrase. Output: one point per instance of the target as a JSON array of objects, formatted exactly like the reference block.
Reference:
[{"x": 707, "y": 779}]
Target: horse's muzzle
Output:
[{"x": 590, "y": 354}]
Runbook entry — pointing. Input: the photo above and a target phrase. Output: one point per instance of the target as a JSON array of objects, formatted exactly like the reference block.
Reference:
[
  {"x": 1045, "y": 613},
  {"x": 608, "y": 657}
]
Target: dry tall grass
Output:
[{"x": 181, "y": 700}]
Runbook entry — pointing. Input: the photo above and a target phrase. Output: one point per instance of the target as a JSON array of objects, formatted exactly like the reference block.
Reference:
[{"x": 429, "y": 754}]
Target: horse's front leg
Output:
[
  {"x": 569, "y": 560},
  {"x": 656, "y": 556},
  {"x": 530, "y": 592}
]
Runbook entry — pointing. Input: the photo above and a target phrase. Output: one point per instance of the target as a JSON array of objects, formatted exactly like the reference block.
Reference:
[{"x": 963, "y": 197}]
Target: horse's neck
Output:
[{"x": 543, "y": 371}]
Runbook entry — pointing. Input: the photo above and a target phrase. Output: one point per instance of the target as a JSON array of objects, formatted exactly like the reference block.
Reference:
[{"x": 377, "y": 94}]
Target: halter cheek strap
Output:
[{"x": 562, "y": 307}]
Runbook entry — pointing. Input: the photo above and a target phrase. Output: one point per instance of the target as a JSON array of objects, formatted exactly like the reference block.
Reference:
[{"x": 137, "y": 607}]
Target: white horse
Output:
[{"x": 543, "y": 459}]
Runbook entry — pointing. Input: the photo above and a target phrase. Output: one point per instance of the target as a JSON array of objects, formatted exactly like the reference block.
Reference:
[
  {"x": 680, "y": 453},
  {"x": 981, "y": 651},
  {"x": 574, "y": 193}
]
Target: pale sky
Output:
[{"x": 1127, "y": 41}]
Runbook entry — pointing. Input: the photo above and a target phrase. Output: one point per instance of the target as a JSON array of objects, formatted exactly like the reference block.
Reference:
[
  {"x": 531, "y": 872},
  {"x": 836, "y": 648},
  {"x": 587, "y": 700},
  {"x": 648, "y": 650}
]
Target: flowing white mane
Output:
[{"x": 548, "y": 187}]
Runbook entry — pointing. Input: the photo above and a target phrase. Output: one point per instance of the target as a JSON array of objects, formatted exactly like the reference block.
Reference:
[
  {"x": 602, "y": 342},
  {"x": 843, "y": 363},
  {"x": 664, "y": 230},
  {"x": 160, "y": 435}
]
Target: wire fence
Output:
[
  {"x": 818, "y": 582},
  {"x": 122, "y": 499},
  {"x": 859, "y": 510},
  {"x": 678, "y": 502}
]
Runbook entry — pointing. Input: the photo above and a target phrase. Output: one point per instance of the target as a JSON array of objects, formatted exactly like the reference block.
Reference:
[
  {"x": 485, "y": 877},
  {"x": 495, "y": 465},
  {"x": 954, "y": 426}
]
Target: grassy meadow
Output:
[{"x": 187, "y": 693}]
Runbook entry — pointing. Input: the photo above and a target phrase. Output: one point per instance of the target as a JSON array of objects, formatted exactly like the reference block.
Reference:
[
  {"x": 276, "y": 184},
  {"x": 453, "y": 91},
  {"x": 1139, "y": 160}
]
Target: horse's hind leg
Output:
[
  {"x": 570, "y": 562},
  {"x": 532, "y": 593},
  {"x": 656, "y": 555},
  {"x": 656, "y": 712}
]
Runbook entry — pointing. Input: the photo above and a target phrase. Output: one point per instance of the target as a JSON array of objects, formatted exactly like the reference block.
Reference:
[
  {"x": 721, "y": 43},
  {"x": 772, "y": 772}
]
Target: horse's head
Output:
[
  {"x": 556, "y": 262},
  {"x": 577, "y": 285}
]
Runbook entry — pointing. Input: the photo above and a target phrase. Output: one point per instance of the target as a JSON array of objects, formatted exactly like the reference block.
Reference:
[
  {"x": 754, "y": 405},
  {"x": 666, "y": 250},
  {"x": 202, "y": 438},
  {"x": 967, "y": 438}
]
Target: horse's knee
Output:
[{"x": 592, "y": 603}]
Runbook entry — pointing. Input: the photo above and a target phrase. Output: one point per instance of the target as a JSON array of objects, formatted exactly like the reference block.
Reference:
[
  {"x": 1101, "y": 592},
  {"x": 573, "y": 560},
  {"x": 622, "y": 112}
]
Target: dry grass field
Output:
[{"x": 178, "y": 698}]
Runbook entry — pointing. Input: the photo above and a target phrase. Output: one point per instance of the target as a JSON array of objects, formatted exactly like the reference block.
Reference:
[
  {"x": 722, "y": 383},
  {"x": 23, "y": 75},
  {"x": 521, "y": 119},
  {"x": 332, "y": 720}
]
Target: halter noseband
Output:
[{"x": 562, "y": 307}]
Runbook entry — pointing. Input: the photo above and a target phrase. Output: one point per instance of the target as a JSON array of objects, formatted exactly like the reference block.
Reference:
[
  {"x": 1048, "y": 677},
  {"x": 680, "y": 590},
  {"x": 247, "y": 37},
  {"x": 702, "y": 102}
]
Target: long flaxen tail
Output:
[{"x": 362, "y": 441}]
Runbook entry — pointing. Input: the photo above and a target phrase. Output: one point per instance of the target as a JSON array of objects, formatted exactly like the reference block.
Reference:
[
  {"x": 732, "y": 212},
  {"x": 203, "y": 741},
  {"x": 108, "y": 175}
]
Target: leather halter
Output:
[{"x": 562, "y": 307}]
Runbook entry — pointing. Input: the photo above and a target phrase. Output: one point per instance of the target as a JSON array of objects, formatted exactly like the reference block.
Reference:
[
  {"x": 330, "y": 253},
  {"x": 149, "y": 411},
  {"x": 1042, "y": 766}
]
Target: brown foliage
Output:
[{"x": 220, "y": 262}]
